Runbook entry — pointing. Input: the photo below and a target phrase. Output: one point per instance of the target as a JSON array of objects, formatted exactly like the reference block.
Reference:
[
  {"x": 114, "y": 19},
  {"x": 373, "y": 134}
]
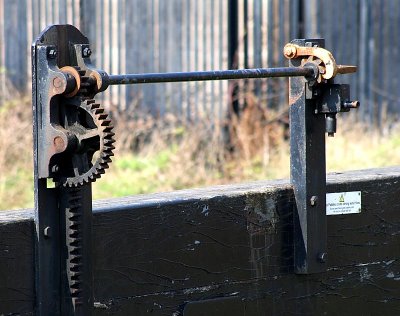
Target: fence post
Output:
[
  {"x": 233, "y": 45},
  {"x": 15, "y": 26}
]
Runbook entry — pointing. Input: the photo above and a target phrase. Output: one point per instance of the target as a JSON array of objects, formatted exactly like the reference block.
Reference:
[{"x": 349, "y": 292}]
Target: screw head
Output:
[
  {"x": 314, "y": 200},
  {"x": 86, "y": 52},
  {"x": 322, "y": 256},
  {"x": 52, "y": 53},
  {"x": 47, "y": 232}
]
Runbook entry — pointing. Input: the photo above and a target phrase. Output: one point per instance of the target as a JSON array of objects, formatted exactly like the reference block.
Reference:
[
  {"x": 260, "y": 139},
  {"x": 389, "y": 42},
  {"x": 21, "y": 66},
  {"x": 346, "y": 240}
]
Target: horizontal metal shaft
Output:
[{"x": 210, "y": 75}]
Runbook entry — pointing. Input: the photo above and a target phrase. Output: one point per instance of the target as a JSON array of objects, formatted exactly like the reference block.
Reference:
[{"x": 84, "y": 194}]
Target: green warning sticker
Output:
[{"x": 343, "y": 203}]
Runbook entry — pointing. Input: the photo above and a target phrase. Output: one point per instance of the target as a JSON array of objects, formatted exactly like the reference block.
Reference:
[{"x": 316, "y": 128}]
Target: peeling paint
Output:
[
  {"x": 368, "y": 264},
  {"x": 100, "y": 305},
  {"x": 390, "y": 275},
  {"x": 201, "y": 289},
  {"x": 205, "y": 210},
  {"x": 364, "y": 274}
]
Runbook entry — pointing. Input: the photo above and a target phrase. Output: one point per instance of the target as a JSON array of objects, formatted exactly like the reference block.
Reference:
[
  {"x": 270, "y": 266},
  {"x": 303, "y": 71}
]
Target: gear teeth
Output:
[
  {"x": 106, "y": 123},
  {"x": 106, "y": 160},
  {"x": 110, "y": 136},
  {"x": 108, "y": 141},
  {"x": 74, "y": 244},
  {"x": 105, "y": 127}
]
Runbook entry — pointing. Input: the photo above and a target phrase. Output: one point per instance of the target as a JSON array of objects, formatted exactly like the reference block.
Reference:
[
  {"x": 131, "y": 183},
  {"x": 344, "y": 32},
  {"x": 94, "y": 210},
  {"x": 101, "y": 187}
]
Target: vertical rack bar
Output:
[
  {"x": 308, "y": 174},
  {"x": 75, "y": 206}
]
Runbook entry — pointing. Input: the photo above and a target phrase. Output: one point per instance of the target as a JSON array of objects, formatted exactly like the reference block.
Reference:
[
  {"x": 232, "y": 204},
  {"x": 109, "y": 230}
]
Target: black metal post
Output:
[
  {"x": 63, "y": 215},
  {"x": 308, "y": 174}
]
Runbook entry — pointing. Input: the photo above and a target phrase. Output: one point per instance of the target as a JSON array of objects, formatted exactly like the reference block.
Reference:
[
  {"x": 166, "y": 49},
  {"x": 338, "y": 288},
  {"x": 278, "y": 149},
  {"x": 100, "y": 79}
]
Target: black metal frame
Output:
[
  {"x": 308, "y": 172},
  {"x": 313, "y": 108},
  {"x": 54, "y": 206}
]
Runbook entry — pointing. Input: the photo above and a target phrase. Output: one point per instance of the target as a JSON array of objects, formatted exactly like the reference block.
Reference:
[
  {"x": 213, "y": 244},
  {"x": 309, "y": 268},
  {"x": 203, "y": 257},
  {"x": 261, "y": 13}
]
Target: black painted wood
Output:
[{"x": 225, "y": 250}]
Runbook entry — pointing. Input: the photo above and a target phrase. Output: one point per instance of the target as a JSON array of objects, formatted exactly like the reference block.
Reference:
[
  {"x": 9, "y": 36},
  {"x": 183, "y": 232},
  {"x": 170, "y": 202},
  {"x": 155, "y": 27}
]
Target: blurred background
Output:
[{"x": 180, "y": 135}]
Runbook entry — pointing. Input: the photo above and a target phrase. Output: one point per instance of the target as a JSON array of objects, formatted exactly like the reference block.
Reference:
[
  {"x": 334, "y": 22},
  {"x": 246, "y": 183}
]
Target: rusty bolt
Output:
[
  {"x": 289, "y": 51},
  {"x": 313, "y": 200},
  {"x": 59, "y": 144},
  {"x": 86, "y": 52},
  {"x": 59, "y": 85},
  {"x": 52, "y": 53},
  {"x": 57, "y": 82}
]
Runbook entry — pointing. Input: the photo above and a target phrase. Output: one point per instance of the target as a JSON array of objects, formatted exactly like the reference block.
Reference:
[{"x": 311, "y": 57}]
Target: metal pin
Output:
[
  {"x": 47, "y": 232},
  {"x": 322, "y": 257},
  {"x": 313, "y": 200}
]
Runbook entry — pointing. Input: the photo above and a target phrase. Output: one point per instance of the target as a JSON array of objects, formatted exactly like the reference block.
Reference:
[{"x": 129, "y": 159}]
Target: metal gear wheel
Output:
[
  {"x": 90, "y": 134},
  {"x": 94, "y": 143},
  {"x": 318, "y": 62}
]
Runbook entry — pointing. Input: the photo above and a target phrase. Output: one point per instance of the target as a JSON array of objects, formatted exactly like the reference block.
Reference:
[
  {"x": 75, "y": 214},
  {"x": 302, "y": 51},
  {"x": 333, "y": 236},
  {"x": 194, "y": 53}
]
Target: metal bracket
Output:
[{"x": 292, "y": 50}]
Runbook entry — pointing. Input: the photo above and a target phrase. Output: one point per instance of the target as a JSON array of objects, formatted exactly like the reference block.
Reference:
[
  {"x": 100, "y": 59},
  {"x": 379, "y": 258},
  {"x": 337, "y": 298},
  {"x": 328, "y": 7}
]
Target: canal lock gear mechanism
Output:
[
  {"x": 332, "y": 98},
  {"x": 74, "y": 142},
  {"x": 76, "y": 136}
]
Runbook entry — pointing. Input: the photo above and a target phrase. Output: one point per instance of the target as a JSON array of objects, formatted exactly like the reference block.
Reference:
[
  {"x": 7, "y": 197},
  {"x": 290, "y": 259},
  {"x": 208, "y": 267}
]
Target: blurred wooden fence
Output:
[{"x": 182, "y": 35}]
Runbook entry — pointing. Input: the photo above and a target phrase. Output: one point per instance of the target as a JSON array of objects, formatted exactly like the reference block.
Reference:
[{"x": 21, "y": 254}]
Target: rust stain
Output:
[{"x": 59, "y": 144}]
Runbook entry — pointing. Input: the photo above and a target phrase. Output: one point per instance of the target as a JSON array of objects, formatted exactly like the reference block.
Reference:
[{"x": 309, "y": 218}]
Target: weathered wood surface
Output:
[{"x": 226, "y": 250}]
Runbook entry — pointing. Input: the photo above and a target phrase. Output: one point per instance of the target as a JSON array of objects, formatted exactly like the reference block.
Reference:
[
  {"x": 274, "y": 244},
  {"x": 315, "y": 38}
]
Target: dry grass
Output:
[
  {"x": 16, "y": 162},
  {"x": 355, "y": 146},
  {"x": 195, "y": 154},
  {"x": 153, "y": 156}
]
